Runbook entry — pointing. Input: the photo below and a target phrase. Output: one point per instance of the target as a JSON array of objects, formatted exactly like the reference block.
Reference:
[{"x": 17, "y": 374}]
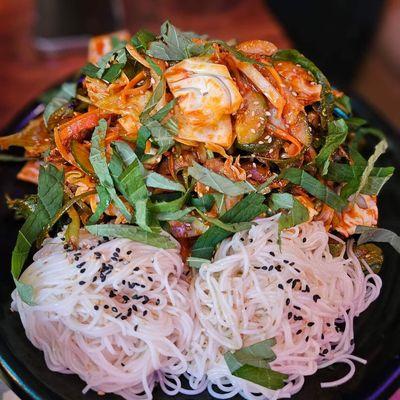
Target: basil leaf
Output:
[
  {"x": 297, "y": 214},
  {"x": 175, "y": 215},
  {"x": 112, "y": 73},
  {"x": 104, "y": 202},
  {"x": 174, "y": 45},
  {"x": 203, "y": 203},
  {"x": 380, "y": 235},
  {"x": 170, "y": 206},
  {"x": 66, "y": 92},
  {"x": 142, "y": 39},
  {"x": 144, "y": 135},
  {"x": 133, "y": 184},
  {"x": 229, "y": 227},
  {"x": 154, "y": 100},
  {"x": 99, "y": 162},
  {"x": 133, "y": 233},
  {"x": 243, "y": 211},
  {"x": 196, "y": 262},
  {"x": 142, "y": 214},
  {"x": 380, "y": 149},
  {"x": 90, "y": 70},
  {"x": 163, "y": 112},
  {"x": 313, "y": 186},
  {"x": 355, "y": 123},
  {"x": 219, "y": 182},
  {"x": 159, "y": 181},
  {"x": 327, "y": 97},
  {"x": 50, "y": 198},
  {"x": 160, "y": 135},
  {"x": 337, "y": 133},
  {"x": 126, "y": 154},
  {"x": 252, "y": 363},
  {"x": 352, "y": 174}
]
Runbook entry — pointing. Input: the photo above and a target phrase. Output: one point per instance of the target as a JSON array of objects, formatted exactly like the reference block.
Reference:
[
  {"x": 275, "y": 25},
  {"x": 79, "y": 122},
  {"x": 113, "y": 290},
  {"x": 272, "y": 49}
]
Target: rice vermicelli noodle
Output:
[
  {"x": 300, "y": 294},
  {"x": 114, "y": 312}
]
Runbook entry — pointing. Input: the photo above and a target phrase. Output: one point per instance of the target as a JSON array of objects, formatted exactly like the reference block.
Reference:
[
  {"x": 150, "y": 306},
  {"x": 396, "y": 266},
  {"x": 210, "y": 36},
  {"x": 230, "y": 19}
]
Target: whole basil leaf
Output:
[
  {"x": 159, "y": 181},
  {"x": 142, "y": 39}
]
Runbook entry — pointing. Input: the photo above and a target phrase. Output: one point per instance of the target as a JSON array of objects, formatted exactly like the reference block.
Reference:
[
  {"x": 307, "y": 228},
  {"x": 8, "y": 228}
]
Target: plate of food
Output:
[{"x": 199, "y": 219}]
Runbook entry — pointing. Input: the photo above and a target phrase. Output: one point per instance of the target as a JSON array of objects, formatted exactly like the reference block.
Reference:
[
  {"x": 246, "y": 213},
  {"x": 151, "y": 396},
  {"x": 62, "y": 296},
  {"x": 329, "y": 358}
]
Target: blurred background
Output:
[{"x": 355, "y": 42}]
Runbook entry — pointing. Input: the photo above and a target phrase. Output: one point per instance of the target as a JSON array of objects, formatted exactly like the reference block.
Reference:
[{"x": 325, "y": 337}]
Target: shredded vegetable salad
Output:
[{"x": 179, "y": 142}]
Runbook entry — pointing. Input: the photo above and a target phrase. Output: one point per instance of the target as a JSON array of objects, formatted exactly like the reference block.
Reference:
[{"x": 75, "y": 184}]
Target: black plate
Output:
[{"x": 377, "y": 331}]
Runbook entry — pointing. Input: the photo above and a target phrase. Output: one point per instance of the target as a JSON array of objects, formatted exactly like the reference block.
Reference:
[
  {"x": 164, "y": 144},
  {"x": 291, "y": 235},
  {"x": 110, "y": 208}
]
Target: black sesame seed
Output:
[
  {"x": 124, "y": 317},
  {"x": 272, "y": 253},
  {"x": 91, "y": 247},
  {"x": 322, "y": 336},
  {"x": 297, "y": 307},
  {"x": 142, "y": 286},
  {"x": 117, "y": 316},
  {"x": 291, "y": 263},
  {"x": 117, "y": 249},
  {"x": 114, "y": 309},
  {"x": 129, "y": 252},
  {"x": 63, "y": 239},
  {"x": 150, "y": 278},
  {"x": 316, "y": 297},
  {"x": 259, "y": 267},
  {"x": 144, "y": 313},
  {"x": 136, "y": 269},
  {"x": 290, "y": 314},
  {"x": 94, "y": 279},
  {"x": 242, "y": 239},
  {"x": 96, "y": 307},
  {"x": 115, "y": 254},
  {"x": 286, "y": 261},
  {"x": 122, "y": 364},
  {"x": 106, "y": 238},
  {"x": 106, "y": 306},
  {"x": 251, "y": 240},
  {"x": 289, "y": 280},
  {"x": 83, "y": 270},
  {"x": 135, "y": 327},
  {"x": 82, "y": 282},
  {"x": 270, "y": 268},
  {"x": 307, "y": 338},
  {"x": 125, "y": 298},
  {"x": 310, "y": 324},
  {"x": 325, "y": 351},
  {"x": 76, "y": 258},
  {"x": 264, "y": 267},
  {"x": 112, "y": 294},
  {"x": 129, "y": 313},
  {"x": 287, "y": 302},
  {"x": 270, "y": 241},
  {"x": 351, "y": 341},
  {"x": 328, "y": 324},
  {"x": 66, "y": 245},
  {"x": 280, "y": 286},
  {"x": 298, "y": 332},
  {"x": 97, "y": 254},
  {"x": 114, "y": 258},
  {"x": 304, "y": 239},
  {"x": 134, "y": 308},
  {"x": 81, "y": 264},
  {"x": 146, "y": 300},
  {"x": 278, "y": 268},
  {"x": 157, "y": 302},
  {"x": 123, "y": 281},
  {"x": 297, "y": 270}
]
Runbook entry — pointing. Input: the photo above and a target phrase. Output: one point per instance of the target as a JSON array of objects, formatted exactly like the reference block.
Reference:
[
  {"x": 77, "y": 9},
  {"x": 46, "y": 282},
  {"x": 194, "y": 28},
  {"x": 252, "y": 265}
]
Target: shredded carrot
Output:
[{"x": 281, "y": 134}]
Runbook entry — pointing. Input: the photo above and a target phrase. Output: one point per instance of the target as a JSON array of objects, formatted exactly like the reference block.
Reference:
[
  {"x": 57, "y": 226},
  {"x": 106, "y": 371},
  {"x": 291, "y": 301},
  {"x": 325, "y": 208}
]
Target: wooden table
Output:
[{"x": 25, "y": 73}]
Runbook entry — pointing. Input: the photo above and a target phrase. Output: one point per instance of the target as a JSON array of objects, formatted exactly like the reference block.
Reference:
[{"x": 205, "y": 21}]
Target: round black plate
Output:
[{"x": 377, "y": 330}]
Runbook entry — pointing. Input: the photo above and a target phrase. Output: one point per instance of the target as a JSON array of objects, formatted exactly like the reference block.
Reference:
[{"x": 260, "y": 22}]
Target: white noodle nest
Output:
[
  {"x": 249, "y": 294},
  {"x": 128, "y": 355}
]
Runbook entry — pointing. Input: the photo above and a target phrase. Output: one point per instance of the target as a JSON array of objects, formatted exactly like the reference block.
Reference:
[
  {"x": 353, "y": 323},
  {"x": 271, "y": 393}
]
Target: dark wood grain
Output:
[{"x": 25, "y": 73}]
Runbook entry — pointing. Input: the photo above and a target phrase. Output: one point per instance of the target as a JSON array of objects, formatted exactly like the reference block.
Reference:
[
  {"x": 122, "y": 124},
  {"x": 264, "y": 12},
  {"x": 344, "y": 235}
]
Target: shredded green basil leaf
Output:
[
  {"x": 133, "y": 233},
  {"x": 313, "y": 186},
  {"x": 219, "y": 182},
  {"x": 159, "y": 181},
  {"x": 370, "y": 234}
]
